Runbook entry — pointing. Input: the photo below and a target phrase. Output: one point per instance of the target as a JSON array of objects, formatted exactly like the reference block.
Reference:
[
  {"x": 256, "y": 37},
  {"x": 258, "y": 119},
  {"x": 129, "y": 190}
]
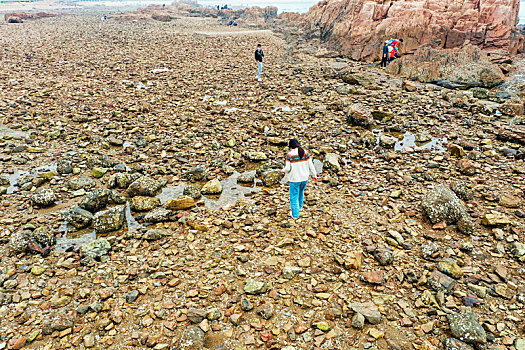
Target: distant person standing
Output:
[
  {"x": 259, "y": 54},
  {"x": 299, "y": 166},
  {"x": 384, "y": 56}
]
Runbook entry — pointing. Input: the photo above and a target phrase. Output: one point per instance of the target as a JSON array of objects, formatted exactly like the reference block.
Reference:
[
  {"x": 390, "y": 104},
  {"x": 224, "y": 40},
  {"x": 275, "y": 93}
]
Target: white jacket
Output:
[{"x": 299, "y": 169}]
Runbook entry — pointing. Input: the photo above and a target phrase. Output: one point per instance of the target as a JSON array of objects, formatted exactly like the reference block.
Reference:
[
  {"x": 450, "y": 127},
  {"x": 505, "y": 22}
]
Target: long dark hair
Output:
[{"x": 293, "y": 143}]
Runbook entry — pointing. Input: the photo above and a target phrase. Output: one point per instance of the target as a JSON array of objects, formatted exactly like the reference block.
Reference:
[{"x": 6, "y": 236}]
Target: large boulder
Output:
[
  {"x": 141, "y": 203},
  {"x": 79, "y": 218},
  {"x": 43, "y": 198},
  {"x": 442, "y": 204},
  {"x": 96, "y": 200},
  {"x": 358, "y": 28},
  {"x": 271, "y": 177},
  {"x": 109, "y": 220},
  {"x": 359, "y": 115},
  {"x": 20, "y": 241},
  {"x": 465, "y": 327},
  {"x": 95, "y": 249},
  {"x": 144, "y": 186},
  {"x": 456, "y": 68},
  {"x": 331, "y": 162},
  {"x": 212, "y": 187},
  {"x": 192, "y": 339}
]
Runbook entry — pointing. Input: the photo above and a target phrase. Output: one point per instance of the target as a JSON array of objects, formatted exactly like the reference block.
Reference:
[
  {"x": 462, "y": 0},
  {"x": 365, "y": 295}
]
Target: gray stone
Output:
[
  {"x": 64, "y": 166},
  {"x": 358, "y": 321},
  {"x": 442, "y": 204},
  {"x": 132, "y": 296},
  {"x": 196, "y": 173},
  {"x": 331, "y": 162},
  {"x": 519, "y": 344},
  {"x": 116, "y": 198},
  {"x": 384, "y": 256},
  {"x": 96, "y": 200},
  {"x": 246, "y": 178},
  {"x": 255, "y": 287},
  {"x": 368, "y": 309},
  {"x": 158, "y": 215},
  {"x": 430, "y": 250},
  {"x": 4, "y": 180},
  {"x": 141, "y": 203},
  {"x": 265, "y": 311},
  {"x": 43, "y": 198},
  {"x": 79, "y": 218},
  {"x": 290, "y": 271},
  {"x": 387, "y": 141},
  {"x": 144, "y": 186},
  {"x": 465, "y": 327},
  {"x": 454, "y": 344},
  {"x": 109, "y": 220},
  {"x": 271, "y": 177},
  {"x": 480, "y": 92},
  {"x": 192, "y": 191},
  {"x": 196, "y": 315},
  {"x": 246, "y": 305},
  {"x": 359, "y": 115},
  {"x": 122, "y": 180},
  {"x": 95, "y": 249},
  {"x": 155, "y": 234},
  {"x": 441, "y": 282},
  {"x": 212, "y": 187},
  {"x": 192, "y": 339},
  {"x": 255, "y": 156},
  {"x": 81, "y": 182},
  {"x": 518, "y": 250}
]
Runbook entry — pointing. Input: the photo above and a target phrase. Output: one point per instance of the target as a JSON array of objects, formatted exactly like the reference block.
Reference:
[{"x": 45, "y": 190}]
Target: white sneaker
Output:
[{"x": 259, "y": 79}]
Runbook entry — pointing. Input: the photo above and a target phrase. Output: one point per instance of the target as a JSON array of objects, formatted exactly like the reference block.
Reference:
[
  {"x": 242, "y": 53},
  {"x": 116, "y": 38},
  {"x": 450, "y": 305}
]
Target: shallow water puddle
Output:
[
  {"x": 409, "y": 140},
  {"x": 160, "y": 70},
  {"x": 74, "y": 239},
  {"x": 13, "y": 178},
  {"x": 283, "y": 109},
  {"x": 231, "y": 192}
]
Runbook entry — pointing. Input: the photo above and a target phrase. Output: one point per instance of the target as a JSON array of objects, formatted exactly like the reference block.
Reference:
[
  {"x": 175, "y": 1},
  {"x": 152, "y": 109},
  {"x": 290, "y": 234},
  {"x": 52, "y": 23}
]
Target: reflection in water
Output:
[
  {"x": 75, "y": 240},
  {"x": 409, "y": 140}
]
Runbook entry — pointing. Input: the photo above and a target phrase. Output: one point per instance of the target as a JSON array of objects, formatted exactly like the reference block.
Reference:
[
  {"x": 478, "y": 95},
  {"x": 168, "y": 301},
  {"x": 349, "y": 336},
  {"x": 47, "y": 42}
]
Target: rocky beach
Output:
[{"x": 141, "y": 203}]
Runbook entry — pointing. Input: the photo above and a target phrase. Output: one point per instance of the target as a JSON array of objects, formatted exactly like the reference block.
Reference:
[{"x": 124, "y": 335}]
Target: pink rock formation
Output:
[{"x": 357, "y": 28}]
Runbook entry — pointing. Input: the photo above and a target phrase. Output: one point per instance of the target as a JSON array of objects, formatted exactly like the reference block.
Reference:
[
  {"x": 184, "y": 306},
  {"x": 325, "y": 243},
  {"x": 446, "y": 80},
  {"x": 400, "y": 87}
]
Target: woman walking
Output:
[{"x": 300, "y": 167}]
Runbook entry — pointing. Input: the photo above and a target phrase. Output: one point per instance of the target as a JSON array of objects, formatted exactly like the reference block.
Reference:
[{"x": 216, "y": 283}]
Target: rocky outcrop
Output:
[
  {"x": 252, "y": 16},
  {"x": 19, "y": 17},
  {"x": 357, "y": 28},
  {"x": 456, "y": 68}
]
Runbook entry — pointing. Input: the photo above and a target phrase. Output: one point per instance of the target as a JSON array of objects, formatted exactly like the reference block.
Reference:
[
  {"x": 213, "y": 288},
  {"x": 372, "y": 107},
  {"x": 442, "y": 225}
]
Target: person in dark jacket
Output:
[
  {"x": 384, "y": 56},
  {"x": 259, "y": 60}
]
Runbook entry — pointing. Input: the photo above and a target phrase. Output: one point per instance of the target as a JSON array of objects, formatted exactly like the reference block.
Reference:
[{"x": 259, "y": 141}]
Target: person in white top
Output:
[{"x": 299, "y": 167}]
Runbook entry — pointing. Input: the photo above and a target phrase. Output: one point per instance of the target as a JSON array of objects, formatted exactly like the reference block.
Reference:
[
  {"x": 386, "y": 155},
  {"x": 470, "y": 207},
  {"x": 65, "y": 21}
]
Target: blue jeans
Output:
[
  {"x": 259, "y": 69},
  {"x": 296, "y": 197}
]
